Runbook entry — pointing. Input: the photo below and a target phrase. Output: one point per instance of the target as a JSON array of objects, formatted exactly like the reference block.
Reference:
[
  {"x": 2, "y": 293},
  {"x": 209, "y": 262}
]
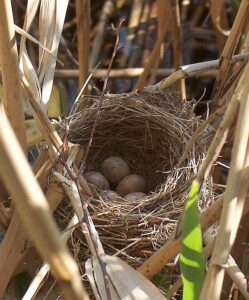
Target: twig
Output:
[
  {"x": 116, "y": 47},
  {"x": 81, "y": 93}
]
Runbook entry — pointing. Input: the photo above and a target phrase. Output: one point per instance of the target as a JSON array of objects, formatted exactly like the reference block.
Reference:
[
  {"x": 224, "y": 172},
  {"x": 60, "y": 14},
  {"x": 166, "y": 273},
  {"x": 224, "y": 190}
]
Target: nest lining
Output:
[{"x": 149, "y": 131}]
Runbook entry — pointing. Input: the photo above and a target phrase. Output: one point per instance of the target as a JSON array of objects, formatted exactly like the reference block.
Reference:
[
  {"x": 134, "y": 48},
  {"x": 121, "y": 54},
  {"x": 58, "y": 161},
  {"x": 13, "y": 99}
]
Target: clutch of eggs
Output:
[{"x": 115, "y": 171}]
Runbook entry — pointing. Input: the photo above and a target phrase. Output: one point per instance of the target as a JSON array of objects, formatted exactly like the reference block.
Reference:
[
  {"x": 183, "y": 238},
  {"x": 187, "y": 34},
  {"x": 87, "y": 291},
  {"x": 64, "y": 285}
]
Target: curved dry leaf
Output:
[
  {"x": 216, "y": 8},
  {"x": 51, "y": 19},
  {"x": 31, "y": 38},
  {"x": 61, "y": 7},
  {"x": 46, "y": 32},
  {"x": 125, "y": 282},
  {"x": 30, "y": 74}
]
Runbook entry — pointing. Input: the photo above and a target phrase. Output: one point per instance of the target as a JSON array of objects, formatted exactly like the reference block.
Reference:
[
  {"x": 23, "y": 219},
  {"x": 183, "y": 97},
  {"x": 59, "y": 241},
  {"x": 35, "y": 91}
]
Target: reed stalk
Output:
[
  {"x": 83, "y": 38},
  {"x": 13, "y": 102},
  {"x": 234, "y": 197},
  {"x": 35, "y": 214}
]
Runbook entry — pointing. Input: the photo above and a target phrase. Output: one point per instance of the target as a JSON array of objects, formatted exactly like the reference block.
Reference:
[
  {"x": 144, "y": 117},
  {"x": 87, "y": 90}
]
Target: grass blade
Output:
[{"x": 191, "y": 257}]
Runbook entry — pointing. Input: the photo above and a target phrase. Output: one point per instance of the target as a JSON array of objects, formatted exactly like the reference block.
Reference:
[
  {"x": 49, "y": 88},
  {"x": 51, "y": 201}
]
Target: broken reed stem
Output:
[
  {"x": 234, "y": 197},
  {"x": 13, "y": 102},
  {"x": 229, "y": 49},
  {"x": 35, "y": 213},
  {"x": 83, "y": 38},
  {"x": 195, "y": 70}
]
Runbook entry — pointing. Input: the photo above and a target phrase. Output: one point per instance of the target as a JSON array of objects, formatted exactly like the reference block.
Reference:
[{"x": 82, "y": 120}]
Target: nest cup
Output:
[{"x": 149, "y": 130}]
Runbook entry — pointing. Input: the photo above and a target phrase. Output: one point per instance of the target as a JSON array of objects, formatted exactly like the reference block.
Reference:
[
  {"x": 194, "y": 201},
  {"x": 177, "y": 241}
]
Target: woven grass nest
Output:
[{"x": 150, "y": 131}]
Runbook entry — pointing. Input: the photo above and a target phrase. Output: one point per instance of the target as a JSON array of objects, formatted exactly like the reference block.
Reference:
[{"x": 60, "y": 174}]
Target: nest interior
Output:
[{"x": 150, "y": 131}]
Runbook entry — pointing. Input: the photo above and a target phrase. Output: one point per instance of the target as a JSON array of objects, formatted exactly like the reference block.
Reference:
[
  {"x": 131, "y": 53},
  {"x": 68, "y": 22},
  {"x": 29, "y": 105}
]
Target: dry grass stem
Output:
[
  {"x": 41, "y": 275},
  {"x": 50, "y": 134},
  {"x": 51, "y": 20},
  {"x": 4, "y": 218},
  {"x": 218, "y": 140},
  {"x": 154, "y": 55},
  {"x": 79, "y": 204},
  {"x": 35, "y": 214},
  {"x": 216, "y": 11},
  {"x": 237, "y": 277},
  {"x": 83, "y": 38},
  {"x": 200, "y": 129},
  {"x": 125, "y": 282},
  {"x": 234, "y": 196},
  {"x": 229, "y": 49},
  {"x": 132, "y": 26},
  {"x": 177, "y": 43},
  {"x": 11, "y": 248},
  {"x": 99, "y": 37},
  {"x": 162, "y": 27},
  {"x": 13, "y": 101}
]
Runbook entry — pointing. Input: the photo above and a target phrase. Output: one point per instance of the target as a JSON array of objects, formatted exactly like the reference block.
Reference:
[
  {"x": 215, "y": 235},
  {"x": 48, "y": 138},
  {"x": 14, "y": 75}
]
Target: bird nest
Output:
[{"x": 149, "y": 130}]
